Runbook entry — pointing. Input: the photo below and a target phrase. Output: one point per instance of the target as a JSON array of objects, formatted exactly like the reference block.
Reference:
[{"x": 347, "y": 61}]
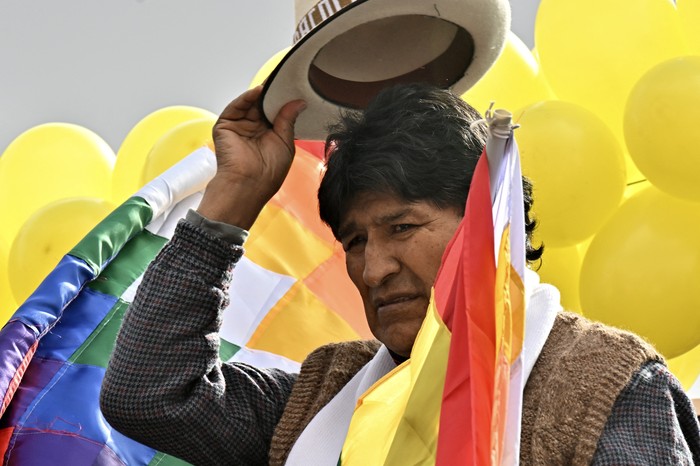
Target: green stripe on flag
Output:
[
  {"x": 227, "y": 350},
  {"x": 110, "y": 235},
  {"x": 129, "y": 264},
  {"x": 97, "y": 348},
  {"x": 161, "y": 459}
]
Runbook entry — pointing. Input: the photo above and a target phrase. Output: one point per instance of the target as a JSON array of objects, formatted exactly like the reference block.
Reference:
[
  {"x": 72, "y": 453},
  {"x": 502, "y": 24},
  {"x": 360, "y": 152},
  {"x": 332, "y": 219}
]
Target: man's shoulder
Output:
[{"x": 578, "y": 333}]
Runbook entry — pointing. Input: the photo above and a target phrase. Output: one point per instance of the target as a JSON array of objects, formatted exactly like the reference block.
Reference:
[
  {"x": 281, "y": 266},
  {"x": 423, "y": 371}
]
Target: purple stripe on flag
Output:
[
  {"x": 38, "y": 375},
  {"x": 69, "y": 405},
  {"x": 43, "y": 308},
  {"x": 79, "y": 320},
  {"x": 15, "y": 341},
  {"x": 34, "y": 446}
]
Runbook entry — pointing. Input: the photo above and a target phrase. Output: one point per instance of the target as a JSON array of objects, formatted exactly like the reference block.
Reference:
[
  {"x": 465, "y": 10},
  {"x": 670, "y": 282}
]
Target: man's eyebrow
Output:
[
  {"x": 394, "y": 216},
  {"x": 346, "y": 230}
]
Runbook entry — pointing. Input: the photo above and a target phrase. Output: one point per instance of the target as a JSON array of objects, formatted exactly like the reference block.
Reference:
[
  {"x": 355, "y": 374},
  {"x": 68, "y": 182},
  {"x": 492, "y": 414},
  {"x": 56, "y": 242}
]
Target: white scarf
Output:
[{"x": 322, "y": 440}]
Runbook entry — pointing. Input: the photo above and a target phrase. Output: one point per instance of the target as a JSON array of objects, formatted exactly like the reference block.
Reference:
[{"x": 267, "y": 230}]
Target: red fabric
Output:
[
  {"x": 317, "y": 148},
  {"x": 464, "y": 294},
  {"x": 5, "y": 436}
]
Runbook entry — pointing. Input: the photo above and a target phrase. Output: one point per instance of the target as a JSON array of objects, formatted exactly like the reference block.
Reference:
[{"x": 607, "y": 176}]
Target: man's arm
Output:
[
  {"x": 165, "y": 385},
  {"x": 652, "y": 422}
]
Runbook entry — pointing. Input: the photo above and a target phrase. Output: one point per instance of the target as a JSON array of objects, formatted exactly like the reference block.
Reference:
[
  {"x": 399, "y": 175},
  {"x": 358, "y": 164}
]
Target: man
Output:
[{"x": 394, "y": 193}]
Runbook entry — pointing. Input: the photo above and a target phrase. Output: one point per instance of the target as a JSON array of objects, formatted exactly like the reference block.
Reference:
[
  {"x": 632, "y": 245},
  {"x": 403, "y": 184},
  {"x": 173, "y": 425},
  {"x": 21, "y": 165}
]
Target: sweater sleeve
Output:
[
  {"x": 652, "y": 422},
  {"x": 166, "y": 386}
]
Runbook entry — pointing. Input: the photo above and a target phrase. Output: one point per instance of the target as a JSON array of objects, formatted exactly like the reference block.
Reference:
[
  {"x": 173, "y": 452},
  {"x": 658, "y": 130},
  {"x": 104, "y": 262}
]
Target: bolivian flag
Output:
[
  {"x": 289, "y": 295},
  {"x": 458, "y": 399}
]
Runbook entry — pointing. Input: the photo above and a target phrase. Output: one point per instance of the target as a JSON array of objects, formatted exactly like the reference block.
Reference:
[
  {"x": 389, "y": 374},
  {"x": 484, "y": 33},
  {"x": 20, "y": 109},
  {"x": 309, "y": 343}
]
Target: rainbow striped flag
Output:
[
  {"x": 55, "y": 348},
  {"x": 458, "y": 399}
]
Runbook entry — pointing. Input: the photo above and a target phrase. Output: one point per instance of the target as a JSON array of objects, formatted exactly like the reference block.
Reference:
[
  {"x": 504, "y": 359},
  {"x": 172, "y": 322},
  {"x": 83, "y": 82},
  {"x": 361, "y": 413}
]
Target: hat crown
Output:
[{"x": 311, "y": 13}]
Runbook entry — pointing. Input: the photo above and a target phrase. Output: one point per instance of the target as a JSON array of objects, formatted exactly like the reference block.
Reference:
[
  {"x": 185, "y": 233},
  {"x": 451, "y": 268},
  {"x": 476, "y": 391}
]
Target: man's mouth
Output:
[{"x": 396, "y": 302}]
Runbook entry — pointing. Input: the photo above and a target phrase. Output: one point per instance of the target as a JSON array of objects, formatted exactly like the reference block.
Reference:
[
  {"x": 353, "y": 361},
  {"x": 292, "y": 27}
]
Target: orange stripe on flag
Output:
[
  {"x": 298, "y": 194},
  {"x": 342, "y": 297}
]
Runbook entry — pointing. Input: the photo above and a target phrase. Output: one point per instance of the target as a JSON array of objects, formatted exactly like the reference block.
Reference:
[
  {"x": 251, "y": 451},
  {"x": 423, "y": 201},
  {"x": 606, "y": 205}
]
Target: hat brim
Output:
[{"x": 486, "y": 22}]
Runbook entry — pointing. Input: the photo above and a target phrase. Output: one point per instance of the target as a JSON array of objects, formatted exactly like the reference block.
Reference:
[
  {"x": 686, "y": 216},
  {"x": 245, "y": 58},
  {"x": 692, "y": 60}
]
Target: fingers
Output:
[{"x": 244, "y": 106}]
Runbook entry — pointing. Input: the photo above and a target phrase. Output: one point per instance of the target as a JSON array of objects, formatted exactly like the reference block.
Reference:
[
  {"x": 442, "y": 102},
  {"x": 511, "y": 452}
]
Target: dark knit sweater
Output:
[{"x": 166, "y": 387}]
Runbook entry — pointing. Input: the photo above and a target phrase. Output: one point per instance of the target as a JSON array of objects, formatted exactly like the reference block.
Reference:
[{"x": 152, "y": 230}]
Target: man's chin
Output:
[{"x": 400, "y": 340}]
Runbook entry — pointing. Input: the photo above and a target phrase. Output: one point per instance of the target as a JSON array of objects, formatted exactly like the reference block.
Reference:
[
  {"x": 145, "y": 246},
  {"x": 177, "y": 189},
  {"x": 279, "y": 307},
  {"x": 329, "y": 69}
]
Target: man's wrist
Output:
[{"x": 231, "y": 234}]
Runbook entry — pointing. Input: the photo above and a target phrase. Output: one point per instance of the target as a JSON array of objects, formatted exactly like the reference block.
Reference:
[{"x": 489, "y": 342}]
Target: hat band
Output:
[{"x": 318, "y": 14}]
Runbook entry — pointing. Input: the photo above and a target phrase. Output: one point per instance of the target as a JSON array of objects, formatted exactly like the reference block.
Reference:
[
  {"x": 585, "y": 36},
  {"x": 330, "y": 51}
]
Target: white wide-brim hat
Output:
[{"x": 346, "y": 51}]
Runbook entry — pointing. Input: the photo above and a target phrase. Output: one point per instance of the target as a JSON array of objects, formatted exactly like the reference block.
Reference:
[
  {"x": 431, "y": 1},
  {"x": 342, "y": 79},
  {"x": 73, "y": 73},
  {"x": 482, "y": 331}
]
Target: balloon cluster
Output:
[
  {"x": 58, "y": 180},
  {"x": 606, "y": 102}
]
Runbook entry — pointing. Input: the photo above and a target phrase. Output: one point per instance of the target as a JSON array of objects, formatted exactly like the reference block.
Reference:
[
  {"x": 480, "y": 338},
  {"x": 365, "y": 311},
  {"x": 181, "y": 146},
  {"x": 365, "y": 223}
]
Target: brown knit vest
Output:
[
  {"x": 324, "y": 372},
  {"x": 568, "y": 398}
]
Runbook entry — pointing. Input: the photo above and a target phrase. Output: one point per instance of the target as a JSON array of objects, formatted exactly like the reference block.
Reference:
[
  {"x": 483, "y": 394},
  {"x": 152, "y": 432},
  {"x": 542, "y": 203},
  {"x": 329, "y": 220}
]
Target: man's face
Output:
[{"x": 393, "y": 250}]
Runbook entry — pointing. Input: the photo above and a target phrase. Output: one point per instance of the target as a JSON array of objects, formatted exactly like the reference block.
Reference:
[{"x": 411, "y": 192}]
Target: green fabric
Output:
[
  {"x": 107, "y": 238},
  {"x": 161, "y": 459},
  {"x": 97, "y": 348},
  {"x": 129, "y": 264},
  {"x": 227, "y": 350}
]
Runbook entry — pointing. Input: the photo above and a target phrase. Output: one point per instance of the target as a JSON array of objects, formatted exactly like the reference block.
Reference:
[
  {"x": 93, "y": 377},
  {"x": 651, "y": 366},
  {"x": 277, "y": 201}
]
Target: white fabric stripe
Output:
[
  {"x": 164, "y": 225},
  {"x": 187, "y": 177},
  {"x": 254, "y": 291},
  {"x": 265, "y": 360},
  {"x": 322, "y": 440},
  {"x": 544, "y": 302},
  {"x": 694, "y": 392},
  {"x": 517, "y": 217},
  {"x": 508, "y": 209}
]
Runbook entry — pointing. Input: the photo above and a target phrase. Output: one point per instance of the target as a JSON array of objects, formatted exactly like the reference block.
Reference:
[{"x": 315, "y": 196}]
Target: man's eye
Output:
[
  {"x": 403, "y": 227},
  {"x": 353, "y": 243}
]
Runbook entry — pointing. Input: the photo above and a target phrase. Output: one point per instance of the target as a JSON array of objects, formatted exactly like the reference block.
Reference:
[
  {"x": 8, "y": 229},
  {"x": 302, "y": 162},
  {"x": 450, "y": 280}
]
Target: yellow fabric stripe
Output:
[
  {"x": 298, "y": 324},
  {"x": 396, "y": 420},
  {"x": 278, "y": 242}
]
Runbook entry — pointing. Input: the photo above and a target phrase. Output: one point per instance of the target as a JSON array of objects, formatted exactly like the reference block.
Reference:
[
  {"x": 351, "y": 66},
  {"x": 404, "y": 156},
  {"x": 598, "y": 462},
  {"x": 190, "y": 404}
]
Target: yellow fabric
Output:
[
  {"x": 396, "y": 421},
  {"x": 298, "y": 324},
  {"x": 304, "y": 251},
  {"x": 510, "y": 328}
]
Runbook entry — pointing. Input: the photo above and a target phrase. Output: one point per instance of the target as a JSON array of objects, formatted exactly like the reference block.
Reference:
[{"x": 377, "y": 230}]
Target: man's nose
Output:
[{"x": 381, "y": 262}]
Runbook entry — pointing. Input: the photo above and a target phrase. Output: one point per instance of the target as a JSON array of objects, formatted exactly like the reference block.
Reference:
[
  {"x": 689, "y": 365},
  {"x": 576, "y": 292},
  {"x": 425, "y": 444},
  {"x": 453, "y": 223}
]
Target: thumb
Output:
[{"x": 285, "y": 119}]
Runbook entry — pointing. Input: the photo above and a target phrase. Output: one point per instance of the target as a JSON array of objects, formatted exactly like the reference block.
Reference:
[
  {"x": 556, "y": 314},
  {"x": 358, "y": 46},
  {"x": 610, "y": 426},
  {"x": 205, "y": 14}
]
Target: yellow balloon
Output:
[
  {"x": 268, "y": 67},
  {"x": 634, "y": 188},
  {"x": 686, "y": 367},
  {"x": 661, "y": 119},
  {"x": 592, "y": 52},
  {"x": 513, "y": 82},
  {"x": 577, "y": 168},
  {"x": 689, "y": 12},
  {"x": 562, "y": 267},
  {"x": 47, "y": 163},
  {"x": 642, "y": 270},
  {"x": 175, "y": 145},
  {"x": 47, "y": 236},
  {"x": 7, "y": 301},
  {"x": 133, "y": 151}
]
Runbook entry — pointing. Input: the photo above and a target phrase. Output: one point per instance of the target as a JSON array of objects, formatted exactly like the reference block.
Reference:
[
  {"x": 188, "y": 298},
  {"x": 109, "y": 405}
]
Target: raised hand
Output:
[{"x": 252, "y": 159}]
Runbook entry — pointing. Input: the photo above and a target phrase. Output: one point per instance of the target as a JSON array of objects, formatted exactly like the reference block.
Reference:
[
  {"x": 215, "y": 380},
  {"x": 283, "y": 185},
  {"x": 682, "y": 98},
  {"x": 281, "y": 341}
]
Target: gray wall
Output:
[{"x": 105, "y": 65}]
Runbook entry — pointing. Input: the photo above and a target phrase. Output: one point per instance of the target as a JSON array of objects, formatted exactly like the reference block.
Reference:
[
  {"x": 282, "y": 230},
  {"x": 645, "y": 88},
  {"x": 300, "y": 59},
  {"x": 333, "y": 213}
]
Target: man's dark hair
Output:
[{"x": 414, "y": 141}]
